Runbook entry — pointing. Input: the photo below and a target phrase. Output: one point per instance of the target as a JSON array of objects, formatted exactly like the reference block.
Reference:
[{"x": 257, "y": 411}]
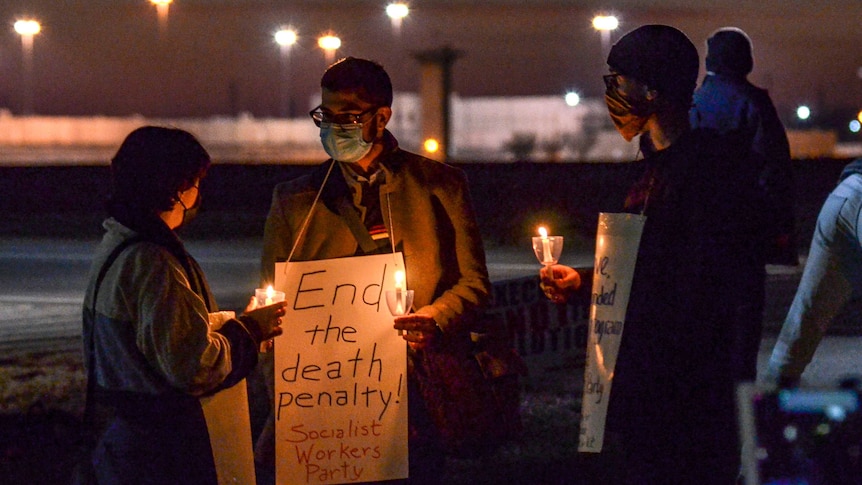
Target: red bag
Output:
[{"x": 472, "y": 393}]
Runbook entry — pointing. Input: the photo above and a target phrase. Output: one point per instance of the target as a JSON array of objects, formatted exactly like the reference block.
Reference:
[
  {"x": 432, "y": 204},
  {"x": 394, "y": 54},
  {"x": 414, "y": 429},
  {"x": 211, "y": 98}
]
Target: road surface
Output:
[{"x": 42, "y": 286}]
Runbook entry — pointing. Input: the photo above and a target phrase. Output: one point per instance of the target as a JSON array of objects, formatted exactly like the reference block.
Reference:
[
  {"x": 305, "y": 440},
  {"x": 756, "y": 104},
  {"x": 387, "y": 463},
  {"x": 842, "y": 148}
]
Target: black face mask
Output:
[
  {"x": 629, "y": 116},
  {"x": 189, "y": 213}
]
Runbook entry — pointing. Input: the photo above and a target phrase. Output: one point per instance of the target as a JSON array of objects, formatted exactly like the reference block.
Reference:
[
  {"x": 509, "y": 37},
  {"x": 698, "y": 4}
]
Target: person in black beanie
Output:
[{"x": 671, "y": 413}]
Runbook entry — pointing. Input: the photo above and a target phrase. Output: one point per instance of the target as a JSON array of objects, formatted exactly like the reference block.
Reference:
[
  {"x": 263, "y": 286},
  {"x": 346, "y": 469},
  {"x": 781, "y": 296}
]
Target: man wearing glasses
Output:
[
  {"x": 372, "y": 197},
  {"x": 697, "y": 282}
]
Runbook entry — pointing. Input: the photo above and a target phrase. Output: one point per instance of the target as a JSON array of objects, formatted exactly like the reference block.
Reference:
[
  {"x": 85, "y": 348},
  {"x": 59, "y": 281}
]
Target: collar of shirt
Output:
[{"x": 356, "y": 182}]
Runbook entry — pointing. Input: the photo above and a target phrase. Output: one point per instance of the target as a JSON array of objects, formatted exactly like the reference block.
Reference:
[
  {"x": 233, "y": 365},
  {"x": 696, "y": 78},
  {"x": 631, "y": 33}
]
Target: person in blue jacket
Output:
[{"x": 728, "y": 102}]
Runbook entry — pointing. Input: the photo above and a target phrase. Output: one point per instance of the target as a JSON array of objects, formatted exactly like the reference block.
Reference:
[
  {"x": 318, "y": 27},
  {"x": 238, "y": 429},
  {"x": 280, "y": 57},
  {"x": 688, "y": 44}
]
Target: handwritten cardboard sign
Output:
[
  {"x": 617, "y": 241},
  {"x": 340, "y": 374}
]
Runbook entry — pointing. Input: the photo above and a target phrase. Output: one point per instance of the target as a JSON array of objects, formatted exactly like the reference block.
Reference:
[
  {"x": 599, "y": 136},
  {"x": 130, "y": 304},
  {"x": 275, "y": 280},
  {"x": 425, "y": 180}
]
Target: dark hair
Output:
[
  {"x": 153, "y": 164},
  {"x": 660, "y": 56},
  {"x": 729, "y": 52},
  {"x": 366, "y": 78}
]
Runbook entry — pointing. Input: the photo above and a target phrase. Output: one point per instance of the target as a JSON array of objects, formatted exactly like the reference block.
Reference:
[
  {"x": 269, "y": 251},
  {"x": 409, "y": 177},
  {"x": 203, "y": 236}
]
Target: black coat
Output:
[{"x": 699, "y": 266}]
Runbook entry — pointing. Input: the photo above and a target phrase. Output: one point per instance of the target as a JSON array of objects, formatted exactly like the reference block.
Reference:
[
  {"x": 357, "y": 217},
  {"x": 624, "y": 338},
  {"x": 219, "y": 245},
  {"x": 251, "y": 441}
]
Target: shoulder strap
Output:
[
  {"x": 109, "y": 261},
  {"x": 91, "y": 382},
  {"x": 360, "y": 232}
]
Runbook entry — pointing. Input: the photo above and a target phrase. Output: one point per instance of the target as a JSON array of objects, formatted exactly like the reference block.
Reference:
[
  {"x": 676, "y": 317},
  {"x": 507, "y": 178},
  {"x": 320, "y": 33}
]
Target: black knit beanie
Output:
[{"x": 659, "y": 56}]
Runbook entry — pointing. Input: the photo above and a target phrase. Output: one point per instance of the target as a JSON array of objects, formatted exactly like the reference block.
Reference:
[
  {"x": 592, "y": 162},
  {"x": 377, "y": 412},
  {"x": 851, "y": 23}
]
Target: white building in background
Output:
[
  {"x": 539, "y": 128},
  {"x": 485, "y": 129}
]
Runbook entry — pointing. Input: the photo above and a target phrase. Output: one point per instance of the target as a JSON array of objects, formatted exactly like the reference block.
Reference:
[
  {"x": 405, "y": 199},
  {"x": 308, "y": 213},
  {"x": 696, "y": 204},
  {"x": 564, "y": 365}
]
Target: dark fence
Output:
[{"x": 510, "y": 199}]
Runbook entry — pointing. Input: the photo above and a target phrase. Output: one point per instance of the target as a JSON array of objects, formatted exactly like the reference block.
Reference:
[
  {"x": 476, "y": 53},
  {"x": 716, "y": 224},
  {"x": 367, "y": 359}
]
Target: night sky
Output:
[{"x": 217, "y": 57}]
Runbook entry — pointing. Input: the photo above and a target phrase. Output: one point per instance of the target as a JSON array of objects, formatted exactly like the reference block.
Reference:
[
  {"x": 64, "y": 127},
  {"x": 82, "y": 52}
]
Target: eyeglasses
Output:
[
  {"x": 612, "y": 80},
  {"x": 319, "y": 116}
]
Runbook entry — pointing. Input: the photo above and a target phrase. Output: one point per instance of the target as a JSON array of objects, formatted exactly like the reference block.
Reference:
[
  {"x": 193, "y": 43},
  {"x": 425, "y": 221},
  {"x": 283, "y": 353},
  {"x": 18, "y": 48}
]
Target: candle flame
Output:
[
  {"x": 543, "y": 232},
  {"x": 270, "y": 292},
  {"x": 399, "y": 279}
]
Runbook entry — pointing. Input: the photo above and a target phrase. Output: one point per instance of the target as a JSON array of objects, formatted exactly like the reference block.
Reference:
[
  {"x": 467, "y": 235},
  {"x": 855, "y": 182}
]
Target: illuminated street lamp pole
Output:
[
  {"x": 605, "y": 24},
  {"x": 162, "y": 7},
  {"x": 27, "y": 29},
  {"x": 285, "y": 38},
  {"x": 397, "y": 11},
  {"x": 329, "y": 43}
]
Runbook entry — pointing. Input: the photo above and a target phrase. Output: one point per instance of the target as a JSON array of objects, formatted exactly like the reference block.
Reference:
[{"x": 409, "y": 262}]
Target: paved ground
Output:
[
  {"x": 42, "y": 285},
  {"x": 41, "y": 289},
  {"x": 42, "y": 282}
]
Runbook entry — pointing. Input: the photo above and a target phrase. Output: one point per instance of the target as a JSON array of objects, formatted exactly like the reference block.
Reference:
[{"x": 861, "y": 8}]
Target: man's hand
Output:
[
  {"x": 558, "y": 282},
  {"x": 420, "y": 331}
]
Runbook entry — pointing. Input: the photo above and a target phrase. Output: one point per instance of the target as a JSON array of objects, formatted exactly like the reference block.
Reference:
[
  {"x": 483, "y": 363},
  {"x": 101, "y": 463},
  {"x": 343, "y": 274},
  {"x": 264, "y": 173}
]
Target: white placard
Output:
[
  {"x": 229, "y": 425},
  {"x": 340, "y": 374},
  {"x": 617, "y": 241}
]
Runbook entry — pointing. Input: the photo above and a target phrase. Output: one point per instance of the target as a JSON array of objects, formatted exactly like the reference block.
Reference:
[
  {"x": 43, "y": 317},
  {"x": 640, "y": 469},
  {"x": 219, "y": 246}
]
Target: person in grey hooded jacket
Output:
[
  {"x": 832, "y": 275},
  {"x": 154, "y": 340}
]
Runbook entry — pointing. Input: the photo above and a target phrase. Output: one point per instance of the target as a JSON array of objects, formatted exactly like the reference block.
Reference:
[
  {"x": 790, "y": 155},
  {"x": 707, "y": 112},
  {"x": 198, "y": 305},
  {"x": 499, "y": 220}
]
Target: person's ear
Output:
[{"x": 384, "y": 114}]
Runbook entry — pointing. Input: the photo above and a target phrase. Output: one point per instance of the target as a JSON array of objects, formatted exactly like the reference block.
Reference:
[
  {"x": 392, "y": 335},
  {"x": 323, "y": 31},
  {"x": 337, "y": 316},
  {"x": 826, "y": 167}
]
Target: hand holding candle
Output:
[
  {"x": 264, "y": 297},
  {"x": 264, "y": 321}
]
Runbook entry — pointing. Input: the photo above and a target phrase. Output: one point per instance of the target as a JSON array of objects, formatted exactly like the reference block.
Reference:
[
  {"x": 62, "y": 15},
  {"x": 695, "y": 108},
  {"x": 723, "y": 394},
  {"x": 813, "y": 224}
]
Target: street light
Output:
[
  {"x": 162, "y": 9},
  {"x": 329, "y": 43},
  {"x": 605, "y": 24},
  {"x": 27, "y": 29},
  {"x": 431, "y": 145},
  {"x": 397, "y": 11},
  {"x": 285, "y": 38}
]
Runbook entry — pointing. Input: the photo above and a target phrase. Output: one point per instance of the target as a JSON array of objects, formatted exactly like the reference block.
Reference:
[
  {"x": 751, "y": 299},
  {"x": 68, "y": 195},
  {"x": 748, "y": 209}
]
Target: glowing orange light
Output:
[
  {"x": 329, "y": 42},
  {"x": 27, "y": 27},
  {"x": 431, "y": 145}
]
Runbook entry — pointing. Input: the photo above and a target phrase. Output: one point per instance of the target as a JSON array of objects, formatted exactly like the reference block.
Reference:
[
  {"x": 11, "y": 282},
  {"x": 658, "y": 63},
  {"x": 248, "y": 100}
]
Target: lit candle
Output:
[
  {"x": 269, "y": 294},
  {"x": 546, "y": 245},
  {"x": 399, "y": 291}
]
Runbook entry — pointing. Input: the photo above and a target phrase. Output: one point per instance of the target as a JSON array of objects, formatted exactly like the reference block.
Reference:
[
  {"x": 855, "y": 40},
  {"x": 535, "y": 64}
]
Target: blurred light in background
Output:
[
  {"x": 397, "y": 11},
  {"x": 27, "y": 27},
  {"x": 803, "y": 112},
  {"x": 572, "y": 98},
  {"x": 162, "y": 7},
  {"x": 431, "y": 145},
  {"x": 329, "y": 43},
  {"x": 605, "y": 22},
  {"x": 286, "y": 37}
]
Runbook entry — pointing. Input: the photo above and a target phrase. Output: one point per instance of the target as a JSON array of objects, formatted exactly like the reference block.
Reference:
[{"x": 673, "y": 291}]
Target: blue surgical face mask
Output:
[{"x": 344, "y": 143}]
